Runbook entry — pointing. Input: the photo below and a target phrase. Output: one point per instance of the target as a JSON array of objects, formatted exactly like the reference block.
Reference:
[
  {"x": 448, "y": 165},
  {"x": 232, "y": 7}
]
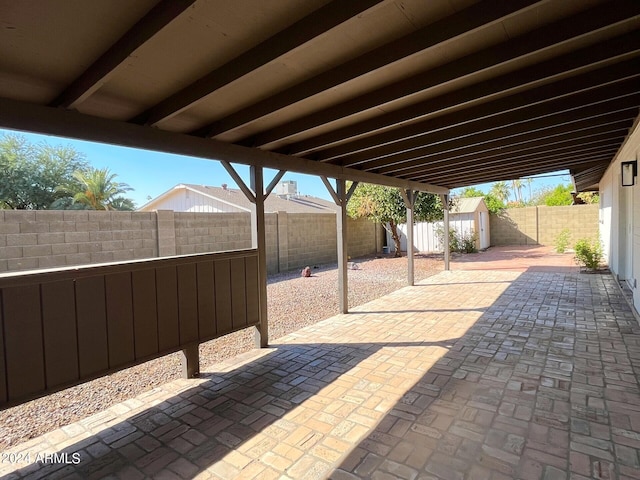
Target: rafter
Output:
[
  {"x": 505, "y": 134},
  {"x": 97, "y": 74},
  {"x": 524, "y": 105},
  {"x": 301, "y": 32},
  {"x": 585, "y": 58},
  {"x": 513, "y": 145},
  {"x": 478, "y": 15},
  {"x": 496, "y": 163},
  {"x": 490, "y": 162}
]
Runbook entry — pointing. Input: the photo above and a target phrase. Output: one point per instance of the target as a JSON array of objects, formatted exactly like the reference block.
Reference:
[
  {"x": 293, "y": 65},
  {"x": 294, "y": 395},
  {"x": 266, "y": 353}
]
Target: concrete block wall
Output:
[
  {"x": 541, "y": 225},
  {"x": 363, "y": 237},
  {"x": 205, "y": 232},
  {"x": 311, "y": 239},
  {"x": 43, "y": 239},
  {"x": 580, "y": 220}
]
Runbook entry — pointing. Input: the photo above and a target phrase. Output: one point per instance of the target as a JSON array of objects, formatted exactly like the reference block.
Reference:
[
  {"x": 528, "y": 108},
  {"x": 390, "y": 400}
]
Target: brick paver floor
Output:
[{"x": 475, "y": 374}]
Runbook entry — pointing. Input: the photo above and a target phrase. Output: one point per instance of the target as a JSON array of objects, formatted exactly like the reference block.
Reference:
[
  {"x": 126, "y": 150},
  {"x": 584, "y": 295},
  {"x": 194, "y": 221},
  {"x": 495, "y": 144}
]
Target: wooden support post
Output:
[
  {"x": 409, "y": 197},
  {"x": 190, "y": 360},
  {"x": 341, "y": 227},
  {"x": 341, "y": 196},
  {"x": 445, "y": 246},
  {"x": 259, "y": 241},
  {"x": 256, "y": 195}
]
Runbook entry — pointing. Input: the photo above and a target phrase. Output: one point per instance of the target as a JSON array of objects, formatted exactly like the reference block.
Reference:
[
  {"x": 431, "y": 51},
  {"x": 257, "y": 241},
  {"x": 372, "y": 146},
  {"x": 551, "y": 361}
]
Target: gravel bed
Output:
[{"x": 293, "y": 302}]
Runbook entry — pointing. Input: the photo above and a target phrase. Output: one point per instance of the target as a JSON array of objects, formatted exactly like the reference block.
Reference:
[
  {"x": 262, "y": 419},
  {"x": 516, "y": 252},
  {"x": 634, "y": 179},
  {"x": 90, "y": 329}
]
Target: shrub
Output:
[
  {"x": 467, "y": 242},
  {"x": 562, "y": 241},
  {"x": 460, "y": 243},
  {"x": 589, "y": 253}
]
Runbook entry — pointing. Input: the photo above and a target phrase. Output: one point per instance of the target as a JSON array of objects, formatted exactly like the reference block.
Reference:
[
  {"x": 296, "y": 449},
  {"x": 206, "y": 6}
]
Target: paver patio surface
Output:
[{"x": 472, "y": 374}]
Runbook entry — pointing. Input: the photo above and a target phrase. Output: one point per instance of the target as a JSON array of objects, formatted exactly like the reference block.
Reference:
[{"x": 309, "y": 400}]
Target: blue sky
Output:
[{"x": 152, "y": 173}]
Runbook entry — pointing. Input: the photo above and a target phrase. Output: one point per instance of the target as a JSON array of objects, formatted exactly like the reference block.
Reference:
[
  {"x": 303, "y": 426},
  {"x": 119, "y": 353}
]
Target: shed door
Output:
[{"x": 484, "y": 231}]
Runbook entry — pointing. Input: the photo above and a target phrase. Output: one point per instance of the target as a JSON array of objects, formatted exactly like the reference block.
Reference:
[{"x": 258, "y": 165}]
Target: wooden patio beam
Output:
[
  {"x": 98, "y": 73},
  {"x": 481, "y": 14},
  {"x": 619, "y": 49},
  {"x": 30, "y": 117},
  {"x": 516, "y": 143},
  {"x": 546, "y": 138},
  {"x": 530, "y": 156},
  {"x": 516, "y": 109},
  {"x": 301, "y": 32}
]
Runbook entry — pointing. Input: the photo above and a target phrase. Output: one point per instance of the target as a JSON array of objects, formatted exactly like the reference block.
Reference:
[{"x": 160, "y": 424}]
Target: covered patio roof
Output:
[{"x": 422, "y": 95}]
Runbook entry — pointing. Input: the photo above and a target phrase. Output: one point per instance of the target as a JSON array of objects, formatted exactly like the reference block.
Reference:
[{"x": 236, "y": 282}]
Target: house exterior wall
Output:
[
  {"x": 44, "y": 239},
  {"x": 183, "y": 200},
  {"x": 620, "y": 216}
]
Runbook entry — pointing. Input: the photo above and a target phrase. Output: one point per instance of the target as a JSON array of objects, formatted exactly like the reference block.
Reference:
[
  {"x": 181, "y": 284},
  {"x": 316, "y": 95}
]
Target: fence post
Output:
[{"x": 190, "y": 360}]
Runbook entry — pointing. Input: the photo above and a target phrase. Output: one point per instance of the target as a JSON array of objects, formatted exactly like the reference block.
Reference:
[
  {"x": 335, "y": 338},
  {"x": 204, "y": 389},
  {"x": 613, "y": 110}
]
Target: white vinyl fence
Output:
[{"x": 425, "y": 236}]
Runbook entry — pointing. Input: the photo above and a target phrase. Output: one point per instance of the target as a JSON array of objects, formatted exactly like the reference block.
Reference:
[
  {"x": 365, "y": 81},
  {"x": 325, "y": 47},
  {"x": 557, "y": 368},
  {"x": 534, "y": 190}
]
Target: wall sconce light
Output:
[{"x": 629, "y": 173}]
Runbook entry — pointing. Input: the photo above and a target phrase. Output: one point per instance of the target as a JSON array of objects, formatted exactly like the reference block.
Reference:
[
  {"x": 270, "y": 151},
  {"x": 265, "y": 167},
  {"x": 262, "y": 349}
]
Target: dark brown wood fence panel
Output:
[
  {"x": 252, "y": 290},
  {"x": 168, "y": 329},
  {"x": 145, "y": 313},
  {"x": 23, "y": 340},
  {"x": 238, "y": 294},
  {"x": 206, "y": 300},
  {"x": 60, "y": 327},
  {"x": 60, "y": 337},
  {"x": 119, "y": 319},
  {"x": 188, "y": 303},
  {"x": 92, "y": 326},
  {"x": 3, "y": 366},
  {"x": 223, "y": 296}
]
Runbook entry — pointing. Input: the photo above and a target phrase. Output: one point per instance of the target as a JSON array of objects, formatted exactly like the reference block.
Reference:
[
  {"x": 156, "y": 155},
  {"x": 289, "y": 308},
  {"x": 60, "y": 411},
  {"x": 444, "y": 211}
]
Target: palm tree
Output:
[
  {"x": 100, "y": 190},
  {"x": 500, "y": 190},
  {"x": 517, "y": 190},
  {"x": 529, "y": 182}
]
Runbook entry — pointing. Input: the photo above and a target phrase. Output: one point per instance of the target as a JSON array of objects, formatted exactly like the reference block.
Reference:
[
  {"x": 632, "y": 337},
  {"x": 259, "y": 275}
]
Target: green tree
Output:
[
  {"x": 493, "y": 203},
  {"x": 560, "y": 195},
  {"x": 100, "y": 191},
  {"x": 500, "y": 190},
  {"x": 517, "y": 190},
  {"x": 471, "y": 192},
  {"x": 386, "y": 206},
  {"x": 32, "y": 174},
  {"x": 589, "y": 197}
]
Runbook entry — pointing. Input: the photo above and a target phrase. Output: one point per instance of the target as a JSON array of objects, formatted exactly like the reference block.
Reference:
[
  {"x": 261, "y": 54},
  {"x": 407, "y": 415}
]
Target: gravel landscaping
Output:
[{"x": 293, "y": 302}]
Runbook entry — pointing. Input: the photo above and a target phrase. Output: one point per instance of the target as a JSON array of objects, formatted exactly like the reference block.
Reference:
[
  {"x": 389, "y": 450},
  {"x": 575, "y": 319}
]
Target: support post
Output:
[
  {"x": 341, "y": 227},
  {"x": 409, "y": 197},
  {"x": 341, "y": 196},
  {"x": 190, "y": 360},
  {"x": 445, "y": 246},
  {"x": 259, "y": 241}
]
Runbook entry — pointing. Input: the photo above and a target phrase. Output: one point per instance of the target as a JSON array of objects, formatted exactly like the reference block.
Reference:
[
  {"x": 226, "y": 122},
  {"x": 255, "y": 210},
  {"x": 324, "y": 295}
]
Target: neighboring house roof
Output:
[
  {"x": 469, "y": 205},
  {"x": 235, "y": 198}
]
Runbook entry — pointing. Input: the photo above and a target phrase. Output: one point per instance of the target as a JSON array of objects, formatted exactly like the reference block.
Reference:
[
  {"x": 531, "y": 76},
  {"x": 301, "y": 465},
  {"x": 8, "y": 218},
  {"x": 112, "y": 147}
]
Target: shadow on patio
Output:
[{"x": 529, "y": 375}]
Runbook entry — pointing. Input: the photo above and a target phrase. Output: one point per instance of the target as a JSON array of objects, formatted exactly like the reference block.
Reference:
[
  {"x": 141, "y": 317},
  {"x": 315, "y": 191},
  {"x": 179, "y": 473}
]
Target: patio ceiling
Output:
[{"x": 421, "y": 94}]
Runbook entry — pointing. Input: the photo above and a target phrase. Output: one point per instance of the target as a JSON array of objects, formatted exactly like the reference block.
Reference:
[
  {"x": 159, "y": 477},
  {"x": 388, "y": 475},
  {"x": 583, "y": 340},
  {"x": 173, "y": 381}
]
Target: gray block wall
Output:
[
  {"x": 542, "y": 225},
  {"x": 45, "y": 239}
]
